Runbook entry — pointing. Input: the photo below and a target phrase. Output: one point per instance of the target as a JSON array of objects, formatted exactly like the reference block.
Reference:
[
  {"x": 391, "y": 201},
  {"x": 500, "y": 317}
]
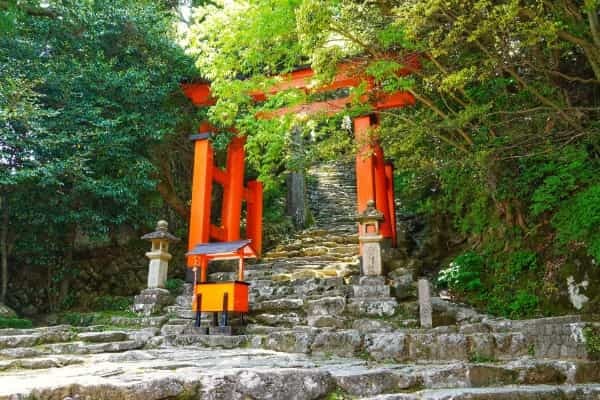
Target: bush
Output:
[
  {"x": 502, "y": 284},
  {"x": 77, "y": 319},
  {"x": 464, "y": 273},
  {"x": 592, "y": 341},
  {"x": 17, "y": 323},
  {"x": 174, "y": 285},
  {"x": 112, "y": 303}
]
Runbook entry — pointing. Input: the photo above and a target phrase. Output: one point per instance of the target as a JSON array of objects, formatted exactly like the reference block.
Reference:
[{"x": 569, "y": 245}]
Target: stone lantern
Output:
[
  {"x": 370, "y": 239},
  {"x": 159, "y": 254}
]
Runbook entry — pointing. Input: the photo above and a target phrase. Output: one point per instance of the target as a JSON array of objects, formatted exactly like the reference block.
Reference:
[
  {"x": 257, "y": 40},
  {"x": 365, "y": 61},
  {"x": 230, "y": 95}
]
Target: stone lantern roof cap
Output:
[
  {"x": 370, "y": 213},
  {"x": 161, "y": 233}
]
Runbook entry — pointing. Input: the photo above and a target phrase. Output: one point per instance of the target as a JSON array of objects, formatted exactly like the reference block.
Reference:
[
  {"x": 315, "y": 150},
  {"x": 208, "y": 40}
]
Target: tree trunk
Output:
[
  {"x": 4, "y": 247},
  {"x": 296, "y": 199},
  {"x": 296, "y": 184}
]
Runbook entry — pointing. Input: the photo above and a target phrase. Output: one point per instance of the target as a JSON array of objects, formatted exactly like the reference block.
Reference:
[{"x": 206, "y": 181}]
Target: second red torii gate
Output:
[{"x": 374, "y": 177}]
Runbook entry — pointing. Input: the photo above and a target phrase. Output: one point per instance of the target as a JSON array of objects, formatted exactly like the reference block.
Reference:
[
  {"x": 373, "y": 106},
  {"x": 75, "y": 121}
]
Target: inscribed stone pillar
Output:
[
  {"x": 425, "y": 309},
  {"x": 371, "y": 255}
]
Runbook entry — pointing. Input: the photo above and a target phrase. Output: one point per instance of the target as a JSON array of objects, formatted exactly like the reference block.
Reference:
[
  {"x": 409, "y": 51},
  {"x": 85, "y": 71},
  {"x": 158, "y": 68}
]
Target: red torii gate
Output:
[{"x": 374, "y": 177}]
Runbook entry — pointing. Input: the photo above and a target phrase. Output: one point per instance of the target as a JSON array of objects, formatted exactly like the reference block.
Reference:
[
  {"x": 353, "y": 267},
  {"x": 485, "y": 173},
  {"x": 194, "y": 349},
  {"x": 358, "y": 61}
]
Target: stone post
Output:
[
  {"x": 370, "y": 240},
  {"x": 425, "y": 308},
  {"x": 159, "y": 255},
  {"x": 155, "y": 298}
]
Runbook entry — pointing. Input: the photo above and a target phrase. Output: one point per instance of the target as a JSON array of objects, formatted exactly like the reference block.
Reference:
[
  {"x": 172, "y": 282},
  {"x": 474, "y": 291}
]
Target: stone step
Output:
[
  {"x": 181, "y": 312},
  {"x": 173, "y": 329},
  {"x": 326, "y": 306},
  {"x": 35, "y": 337},
  {"x": 103, "y": 337},
  {"x": 91, "y": 348},
  {"x": 534, "y": 392},
  {"x": 213, "y": 341},
  {"x": 361, "y": 381},
  {"x": 282, "y": 304},
  {"x": 285, "y": 319},
  {"x": 39, "y": 362},
  {"x": 179, "y": 321},
  {"x": 371, "y": 291},
  {"x": 139, "y": 322},
  {"x": 372, "y": 306}
]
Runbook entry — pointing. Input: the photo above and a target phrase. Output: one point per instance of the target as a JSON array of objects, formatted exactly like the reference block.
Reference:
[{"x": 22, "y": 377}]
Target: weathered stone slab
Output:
[
  {"x": 342, "y": 343},
  {"x": 291, "y": 341},
  {"x": 326, "y": 306},
  {"x": 212, "y": 341},
  {"x": 103, "y": 337},
  {"x": 387, "y": 346},
  {"x": 278, "y": 304},
  {"x": 372, "y": 306},
  {"x": 370, "y": 291},
  {"x": 326, "y": 321},
  {"x": 425, "y": 307},
  {"x": 368, "y": 383}
]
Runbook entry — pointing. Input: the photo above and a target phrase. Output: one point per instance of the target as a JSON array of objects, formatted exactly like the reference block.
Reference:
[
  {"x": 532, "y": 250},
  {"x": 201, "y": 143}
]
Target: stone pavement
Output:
[{"x": 317, "y": 330}]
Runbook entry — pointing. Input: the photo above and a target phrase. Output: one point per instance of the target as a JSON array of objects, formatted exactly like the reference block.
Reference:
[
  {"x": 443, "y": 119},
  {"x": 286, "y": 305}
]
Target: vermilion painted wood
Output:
[
  {"x": 220, "y": 176},
  {"x": 217, "y": 233},
  {"x": 201, "y": 193},
  {"x": 212, "y": 296},
  {"x": 254, "y": 215},
  {"x": 372, "y": 179},
  {"x": 231, "y": 212},
  {"x": 348, "y": 75},
  {"x": 365, "y": 182},
  {"x": 331, "y": 107},
  {"x": 381, "y": 191},
  {"x": 389, "y": 175}
]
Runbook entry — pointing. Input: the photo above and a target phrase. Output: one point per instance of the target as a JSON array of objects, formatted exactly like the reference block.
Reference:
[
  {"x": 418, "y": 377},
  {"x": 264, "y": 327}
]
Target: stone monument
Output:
[
  {"x": 159, "y": 254},
  {"x": 153, "y": 299},
  {"x": 425, "y": 308},
  {"x": 370, "y": 240}
]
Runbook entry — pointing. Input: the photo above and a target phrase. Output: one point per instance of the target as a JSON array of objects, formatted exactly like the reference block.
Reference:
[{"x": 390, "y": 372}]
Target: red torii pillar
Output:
[
  {"x": 234, "y": 193},
  {"x": 374, "y": 179}
]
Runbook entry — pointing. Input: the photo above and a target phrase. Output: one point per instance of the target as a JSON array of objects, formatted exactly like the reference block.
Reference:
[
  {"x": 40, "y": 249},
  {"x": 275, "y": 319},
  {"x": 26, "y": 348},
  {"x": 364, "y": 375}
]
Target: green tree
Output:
[
  {"x": 90, "y": 94},
  {"x": 504, "y": 138}
]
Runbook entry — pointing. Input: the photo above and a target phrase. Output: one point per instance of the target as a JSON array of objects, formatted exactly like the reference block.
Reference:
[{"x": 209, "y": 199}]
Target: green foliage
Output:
[
  {"x": 17, "y": 323},
  {"x": 174, "y": 285},
  {"x": 463, "y": 274},
  {"x": 578, "y": 220},
  {"x": 592, "y": 341},
  {"x": 480, "y": 358},
  {"x": 75, "y": 318},
  {"x": 506, "y": 285},
  {"x": 502, "y": 141},
  {"x": 89, "y": 93},
  {"x": 112, "y": 303},
  {"x": 339, "y": 394}
]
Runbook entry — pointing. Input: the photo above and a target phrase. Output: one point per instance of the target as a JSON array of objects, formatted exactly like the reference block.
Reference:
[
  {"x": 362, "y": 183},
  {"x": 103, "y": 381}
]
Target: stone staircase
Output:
[
  {"x": 317, "y": 330},
  {"x": 331, "y": 193}
]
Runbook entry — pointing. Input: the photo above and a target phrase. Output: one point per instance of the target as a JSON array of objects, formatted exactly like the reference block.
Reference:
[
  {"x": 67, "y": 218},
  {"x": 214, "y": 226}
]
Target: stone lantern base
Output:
[
  {"x": 152, "y": 301},
  {"x": 372, "y": 264}
]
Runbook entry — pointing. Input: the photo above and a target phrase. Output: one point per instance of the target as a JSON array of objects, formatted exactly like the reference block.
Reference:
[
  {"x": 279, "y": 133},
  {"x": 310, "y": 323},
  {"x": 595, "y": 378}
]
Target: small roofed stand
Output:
[{"x": 223, "y": 297}]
